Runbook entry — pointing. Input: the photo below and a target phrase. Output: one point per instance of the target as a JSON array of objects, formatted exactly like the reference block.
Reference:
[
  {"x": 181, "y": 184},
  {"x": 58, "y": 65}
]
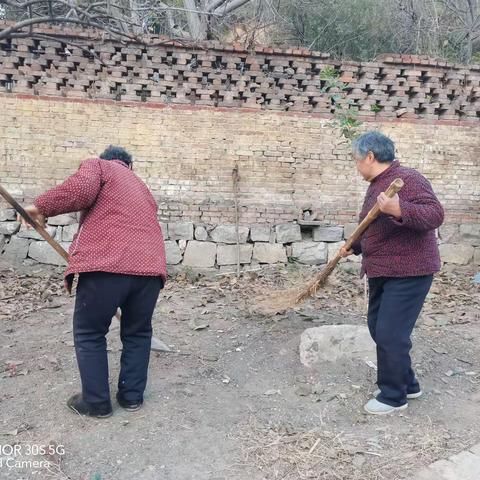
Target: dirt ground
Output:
[{"x": 232, "y": 400}]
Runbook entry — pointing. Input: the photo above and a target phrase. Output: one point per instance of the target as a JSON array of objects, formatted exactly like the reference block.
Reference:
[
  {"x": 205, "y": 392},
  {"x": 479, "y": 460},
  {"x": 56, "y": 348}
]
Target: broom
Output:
[
  {"x": 289, "y": 298},
  {"x": 156, "y": 345}
]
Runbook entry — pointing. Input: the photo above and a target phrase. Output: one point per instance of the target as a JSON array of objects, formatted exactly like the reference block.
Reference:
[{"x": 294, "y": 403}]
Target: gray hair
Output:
[{"x": 380, "y": 145}]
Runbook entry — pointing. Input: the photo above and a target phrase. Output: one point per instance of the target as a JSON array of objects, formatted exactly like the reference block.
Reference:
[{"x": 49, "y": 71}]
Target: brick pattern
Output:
[{"x": 210, "y": 74}]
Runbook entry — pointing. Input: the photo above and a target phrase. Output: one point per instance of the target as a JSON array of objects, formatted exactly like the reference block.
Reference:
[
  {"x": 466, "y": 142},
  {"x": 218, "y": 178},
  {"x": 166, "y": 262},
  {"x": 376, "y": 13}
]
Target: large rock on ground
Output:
[
  {"x": 42, "y": 252},
  {"x": 457, "y": 254},
  {"x": 269, "y": 253},
  {"x": 476, "y": 256},
  {"x": 227, "y": 254},
  {"x": 200, "y": 254},
  {"x": 310, "y": 253},
  {"x": 327, "y": 234},
  {"x": 330, "y": 343},
  {"x": 173, "y": 252},
  {"x": 227, "y": 234},
  {"x": 288, "y": 233}
]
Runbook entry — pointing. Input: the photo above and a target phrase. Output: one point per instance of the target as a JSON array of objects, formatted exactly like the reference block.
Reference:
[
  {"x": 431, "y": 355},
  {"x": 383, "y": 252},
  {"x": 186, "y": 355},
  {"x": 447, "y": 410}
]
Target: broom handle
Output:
[
  {"x": 39, "y": 228},
  {"x": 391, "y": 191}
]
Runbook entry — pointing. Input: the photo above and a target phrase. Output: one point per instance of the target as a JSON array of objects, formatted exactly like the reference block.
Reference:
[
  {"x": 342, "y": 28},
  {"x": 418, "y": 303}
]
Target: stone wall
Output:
[{"x": 207, "y": 246}]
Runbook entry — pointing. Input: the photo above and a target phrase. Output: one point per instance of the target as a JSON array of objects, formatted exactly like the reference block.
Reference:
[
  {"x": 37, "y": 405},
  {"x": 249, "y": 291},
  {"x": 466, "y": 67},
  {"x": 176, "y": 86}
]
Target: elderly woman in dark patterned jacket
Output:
[{"x": 399, "y": 257}]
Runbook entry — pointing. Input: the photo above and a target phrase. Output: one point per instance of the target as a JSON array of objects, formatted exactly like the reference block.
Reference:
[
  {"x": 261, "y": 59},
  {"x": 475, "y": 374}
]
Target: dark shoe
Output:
[
  {"x": 128, "y": 406},
  {"x": 78, "y": 405}
]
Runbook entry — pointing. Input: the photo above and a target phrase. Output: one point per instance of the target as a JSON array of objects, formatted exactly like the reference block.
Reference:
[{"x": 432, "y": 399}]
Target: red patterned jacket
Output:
[
  {"x": 119, "y": 231},
  {"x": 405, "y": 247}
]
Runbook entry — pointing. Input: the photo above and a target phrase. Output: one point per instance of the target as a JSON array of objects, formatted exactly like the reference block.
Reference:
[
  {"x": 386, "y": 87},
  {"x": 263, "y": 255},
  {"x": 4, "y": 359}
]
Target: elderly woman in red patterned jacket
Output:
[
  {"x": 119, "y": 255},
  {"x": 399, "y": 256}
]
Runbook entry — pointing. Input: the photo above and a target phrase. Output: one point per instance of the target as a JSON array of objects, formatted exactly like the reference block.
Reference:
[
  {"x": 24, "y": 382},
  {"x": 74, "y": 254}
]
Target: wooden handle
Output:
[
  {"x": 391, "y": 191},
  {"x": 20, "y": 210}
]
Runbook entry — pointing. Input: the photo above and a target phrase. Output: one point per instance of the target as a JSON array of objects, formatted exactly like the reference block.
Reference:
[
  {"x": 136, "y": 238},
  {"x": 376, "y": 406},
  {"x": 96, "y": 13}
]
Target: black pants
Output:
[
  {"x": 99, "y": 294},
  {"x": 394, "y": 306}
]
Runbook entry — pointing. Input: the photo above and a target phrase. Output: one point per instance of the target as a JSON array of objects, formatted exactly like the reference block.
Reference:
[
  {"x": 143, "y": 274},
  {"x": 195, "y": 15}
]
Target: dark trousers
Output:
[
  {"x": 393, "y": 309},
  {"x": 99, "y": 294}
]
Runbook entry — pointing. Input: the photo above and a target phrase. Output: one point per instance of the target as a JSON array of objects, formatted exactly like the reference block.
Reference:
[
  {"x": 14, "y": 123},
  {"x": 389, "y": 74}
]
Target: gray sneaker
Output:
[
  {"x": 375, "y": 407},
  {"x": 410, "y": 396}
]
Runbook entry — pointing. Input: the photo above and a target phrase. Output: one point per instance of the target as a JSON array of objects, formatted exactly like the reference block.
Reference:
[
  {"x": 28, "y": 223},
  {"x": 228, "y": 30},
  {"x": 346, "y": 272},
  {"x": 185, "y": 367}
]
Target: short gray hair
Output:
[{"x": 380, "y": 145}]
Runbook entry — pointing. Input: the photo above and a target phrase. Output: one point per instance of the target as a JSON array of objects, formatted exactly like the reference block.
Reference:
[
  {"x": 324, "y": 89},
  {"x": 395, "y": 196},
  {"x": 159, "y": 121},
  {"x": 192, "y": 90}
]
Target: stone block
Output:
[
  {"x": 7, "y": 214},
  {"x": 333, "y": 249},
  {"x": 310, "y": 253},
  {"x": 201, "y": 233},
  {"x": 269, "y": 253},
  {"x": 348, "y": 229},
  {"x": 9, "y": 228},
  {"x": 327, "y": 234},
  {"x": 180, "y": 231},
  {"x": 457, "y": 254},
  {"x": 200, "y": 254},
  {"x": 260, "y": 233},
  {"x": 227, "y": 254},
  {"x": 470, "y": 234},
  {"x": 173, "y": 252},
  {"x": 42, "y": 252},
  {"x": 68, "y": 232},
  {"x": 448, "y": 233},
  {"x": 288, "y": 233},
  {"x": 31, "y": 233},
  {"x": 164, "y": 228},
  {"x": 16, "y": 250},
  {"x": 64, "y": 219},
  {"x": 476, "y": 256},
  {"x": 227, "y": 234}
]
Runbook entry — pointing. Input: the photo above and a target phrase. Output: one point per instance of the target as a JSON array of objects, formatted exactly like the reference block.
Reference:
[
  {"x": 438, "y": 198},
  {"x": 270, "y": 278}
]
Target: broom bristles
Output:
[
  {"x": 287, "y": 299},
  {"x": 318, "y": 282}
]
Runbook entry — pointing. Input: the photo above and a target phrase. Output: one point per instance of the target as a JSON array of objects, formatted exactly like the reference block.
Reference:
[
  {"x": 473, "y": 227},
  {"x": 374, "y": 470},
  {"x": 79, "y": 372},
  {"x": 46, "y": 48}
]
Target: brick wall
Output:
[
  {"x": 83, "y": 65},
  {"x": 186, "y": 156},
  {"x": 189, "y": 114}
]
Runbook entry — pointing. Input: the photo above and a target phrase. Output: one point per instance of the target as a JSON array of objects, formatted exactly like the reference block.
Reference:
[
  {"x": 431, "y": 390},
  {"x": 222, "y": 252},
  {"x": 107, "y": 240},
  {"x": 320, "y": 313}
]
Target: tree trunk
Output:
[{"x": 197, "y": 22}]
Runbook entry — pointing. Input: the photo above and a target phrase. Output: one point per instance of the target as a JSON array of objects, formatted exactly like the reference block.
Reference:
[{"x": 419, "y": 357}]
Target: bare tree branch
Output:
[
  {"x": 212, "y": 5},
  {"x": 124, "y": 18},
  {"x": 230, "y": 7}
]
